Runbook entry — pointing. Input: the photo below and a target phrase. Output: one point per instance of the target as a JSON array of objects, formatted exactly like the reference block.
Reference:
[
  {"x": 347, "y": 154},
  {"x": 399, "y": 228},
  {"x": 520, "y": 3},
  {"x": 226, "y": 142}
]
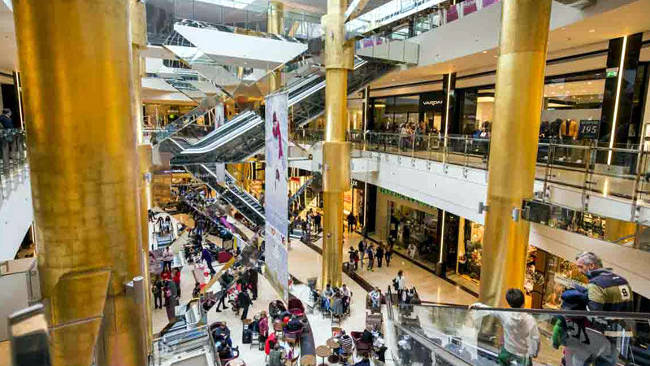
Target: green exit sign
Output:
[{"x": 612, "y": 72}]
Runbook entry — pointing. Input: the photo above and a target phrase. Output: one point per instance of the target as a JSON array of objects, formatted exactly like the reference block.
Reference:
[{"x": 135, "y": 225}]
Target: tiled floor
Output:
[
  {"x": 320, "y": 324},
  {"x": 429, "y": 286}
]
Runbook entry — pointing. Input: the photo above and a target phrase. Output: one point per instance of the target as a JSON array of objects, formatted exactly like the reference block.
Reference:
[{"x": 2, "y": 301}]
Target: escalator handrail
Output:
[
  {"x": 243, "y": 192},
  {"x": 225, "y": 128},
  {"x": 244, "y": 127}
]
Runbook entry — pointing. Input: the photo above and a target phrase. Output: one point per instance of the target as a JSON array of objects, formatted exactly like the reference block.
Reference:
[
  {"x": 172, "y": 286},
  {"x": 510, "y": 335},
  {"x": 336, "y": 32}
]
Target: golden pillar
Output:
[
  {"x": 275, "y": 25},
  {"x": 518, "y": 105},
  {"x": 138, "y": 44},
  {"x": 336, "y": 151},
  {"x": 76, "y": 64}
]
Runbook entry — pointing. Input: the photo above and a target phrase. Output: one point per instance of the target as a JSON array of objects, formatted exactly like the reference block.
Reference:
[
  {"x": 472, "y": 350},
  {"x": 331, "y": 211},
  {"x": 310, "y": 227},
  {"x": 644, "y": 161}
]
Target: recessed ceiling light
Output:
[
  {"x": 484, "y": 51},
  {"x": 592, "y": 31}
]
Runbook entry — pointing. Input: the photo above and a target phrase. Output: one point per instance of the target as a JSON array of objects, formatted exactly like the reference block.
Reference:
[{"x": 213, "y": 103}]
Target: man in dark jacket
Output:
[
  {"x": 244, "y": 302},
  {"x": 207, "y": 257},
  {"x": 5, "y": 119},
  {"x": 252, "y": 278},
  {"x": 606, "y": 290}
]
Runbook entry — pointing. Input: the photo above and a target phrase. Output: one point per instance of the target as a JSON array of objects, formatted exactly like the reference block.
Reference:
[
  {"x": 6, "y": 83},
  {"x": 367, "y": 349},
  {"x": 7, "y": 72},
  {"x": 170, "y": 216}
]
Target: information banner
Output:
[{"x": 275, "y": 192}]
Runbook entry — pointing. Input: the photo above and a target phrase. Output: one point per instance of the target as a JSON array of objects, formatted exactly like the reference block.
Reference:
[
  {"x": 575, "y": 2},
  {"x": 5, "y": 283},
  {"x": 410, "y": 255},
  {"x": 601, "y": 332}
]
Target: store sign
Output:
[
  {"x": 611, "y": 72},
  {"x": 400, "y": 196},
  {"x": 431, "y": 101},
  {"x": 589, "y": 129}
]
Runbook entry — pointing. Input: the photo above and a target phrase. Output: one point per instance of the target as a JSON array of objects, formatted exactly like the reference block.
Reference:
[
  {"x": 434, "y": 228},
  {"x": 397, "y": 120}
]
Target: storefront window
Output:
[
  {"x": 469, "y": 255},
  {"x": 560, "y": 275}
]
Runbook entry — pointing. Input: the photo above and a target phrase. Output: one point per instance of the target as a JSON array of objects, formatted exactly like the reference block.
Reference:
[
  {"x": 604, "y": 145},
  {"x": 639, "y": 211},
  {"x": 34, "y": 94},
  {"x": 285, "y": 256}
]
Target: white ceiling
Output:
[
  {"x": 8, "y": 49},
  {"x": 592, "y": 33}
]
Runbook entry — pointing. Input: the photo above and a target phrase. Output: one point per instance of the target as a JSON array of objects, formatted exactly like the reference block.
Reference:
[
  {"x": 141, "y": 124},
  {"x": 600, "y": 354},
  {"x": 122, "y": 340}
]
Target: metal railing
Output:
[
  {"x": 457, "y": 334},
  {"x": 622, "y": 172},
  {"x": 13, "y": 161}
]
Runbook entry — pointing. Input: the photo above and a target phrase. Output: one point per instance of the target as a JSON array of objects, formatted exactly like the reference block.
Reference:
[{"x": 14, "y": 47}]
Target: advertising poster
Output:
[
  {"x": 219, "y": 116},
  {"x": 276, "y": 191}
]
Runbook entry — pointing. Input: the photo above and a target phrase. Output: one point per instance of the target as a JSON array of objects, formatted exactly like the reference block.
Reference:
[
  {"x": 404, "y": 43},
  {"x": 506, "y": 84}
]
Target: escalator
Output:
[
  {"x": 246, "y": 138},
  {"x": 241, "y": 200},
  {"x": 314, "y": 179},
  {"x": 457, "y": 335}
]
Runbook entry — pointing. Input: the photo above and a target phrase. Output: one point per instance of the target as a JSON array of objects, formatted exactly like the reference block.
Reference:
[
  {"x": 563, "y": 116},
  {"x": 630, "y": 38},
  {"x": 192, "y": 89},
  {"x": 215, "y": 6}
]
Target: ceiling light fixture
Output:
[{"x": 592, "y": 31}]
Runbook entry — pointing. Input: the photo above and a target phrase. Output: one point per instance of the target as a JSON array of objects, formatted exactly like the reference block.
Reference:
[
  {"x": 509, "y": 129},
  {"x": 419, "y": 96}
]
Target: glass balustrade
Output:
[
  {"x": 13, "y": 161},
  {"x": 620, "y": 172},
  {"x": 458, "y": 335}
]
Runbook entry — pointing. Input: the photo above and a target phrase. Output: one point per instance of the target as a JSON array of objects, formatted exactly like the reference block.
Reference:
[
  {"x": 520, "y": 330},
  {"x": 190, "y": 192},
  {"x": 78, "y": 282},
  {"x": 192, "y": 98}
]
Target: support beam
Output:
[
  {"x": 336, "y": 151},
  {"x": 275, "y": 25},
  {"x": 145, "y": 155},
  {"x": 75, "y": 59},
  {"x": 513, "y": 149}
]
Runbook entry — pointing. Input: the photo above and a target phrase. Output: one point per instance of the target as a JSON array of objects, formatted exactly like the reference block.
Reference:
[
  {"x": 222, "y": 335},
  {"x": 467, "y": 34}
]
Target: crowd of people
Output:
[{"x": 367, "y": 250}]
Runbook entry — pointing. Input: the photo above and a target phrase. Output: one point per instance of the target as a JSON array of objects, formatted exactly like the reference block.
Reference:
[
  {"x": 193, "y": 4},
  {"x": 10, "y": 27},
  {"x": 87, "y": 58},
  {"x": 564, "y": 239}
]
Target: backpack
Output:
[{"x": 396, "y": 284}]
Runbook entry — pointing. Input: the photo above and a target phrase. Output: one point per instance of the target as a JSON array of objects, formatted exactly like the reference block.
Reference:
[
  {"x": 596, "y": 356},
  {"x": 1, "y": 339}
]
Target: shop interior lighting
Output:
[{"x": 616, "y": 103}]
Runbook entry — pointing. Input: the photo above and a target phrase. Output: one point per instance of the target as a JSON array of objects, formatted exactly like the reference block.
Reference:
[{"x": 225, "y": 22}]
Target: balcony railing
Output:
[
  {"x": 13, "y": 161},
  {"x": 619, "y": 172}
]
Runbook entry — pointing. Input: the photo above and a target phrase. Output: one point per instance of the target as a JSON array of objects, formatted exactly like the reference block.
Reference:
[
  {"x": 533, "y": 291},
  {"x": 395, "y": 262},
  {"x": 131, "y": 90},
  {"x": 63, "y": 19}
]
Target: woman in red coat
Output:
[{"x": 176, "y": 277}]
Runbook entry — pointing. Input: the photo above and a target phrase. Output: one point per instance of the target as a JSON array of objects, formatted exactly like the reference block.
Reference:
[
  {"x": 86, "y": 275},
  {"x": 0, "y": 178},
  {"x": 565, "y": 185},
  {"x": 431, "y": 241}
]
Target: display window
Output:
[{"x": 560, "y": 275}]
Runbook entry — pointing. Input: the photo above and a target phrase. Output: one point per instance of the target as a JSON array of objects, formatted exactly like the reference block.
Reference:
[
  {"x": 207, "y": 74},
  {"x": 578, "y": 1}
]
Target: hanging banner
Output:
[
  {"x": 219, "y": 116},
  {"x": 220, "y": 172},
  {"x": 276, "y": 191}
]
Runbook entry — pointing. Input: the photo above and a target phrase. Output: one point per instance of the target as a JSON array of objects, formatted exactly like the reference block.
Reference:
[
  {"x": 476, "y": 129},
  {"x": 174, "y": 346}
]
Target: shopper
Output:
[
  {"x": 207, "y": 257},
  {"x": 380, "y": 254},
  {"x": 253, "y": 278},
  {"x": 375, "y": 297},
  {"x": 167, "y": 258},
  {"x": 362, "y": 251},
  {"x": 317, "y": 222},
  {"x": 244, "y": 301},
  {"x": 276, "y": 357},
  {"x": 176, "y": 277},
  {"x": 399, "y": 284},
  {"x": 170, "y": 301},
  {"x": 351, "y": 262},
  {"x": 157, "y": 290},
  {"x": 5, "y": 119},
  {"x": 521, "y": 338},
  {"x": 351, "y": 222},
  {"x": 370, "y": 252},
  {"x": 389, "y": 254},
  {"x": 606, "y": 290}
]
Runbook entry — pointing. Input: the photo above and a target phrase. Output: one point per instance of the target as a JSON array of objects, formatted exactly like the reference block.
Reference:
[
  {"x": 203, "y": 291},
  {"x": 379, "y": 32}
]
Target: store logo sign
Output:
[{"x": 432, "y": 103}]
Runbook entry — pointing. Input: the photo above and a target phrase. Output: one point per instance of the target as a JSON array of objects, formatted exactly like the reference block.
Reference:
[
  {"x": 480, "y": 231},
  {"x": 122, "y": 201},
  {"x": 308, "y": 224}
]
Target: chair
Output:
[
  {"x": 255, "y": 339},
  {"x": 295, "y": 307},
  {"x": 335, "y": 318},
  {"x": 362, "y": 347},
  {"x": 292, "y": 337}
]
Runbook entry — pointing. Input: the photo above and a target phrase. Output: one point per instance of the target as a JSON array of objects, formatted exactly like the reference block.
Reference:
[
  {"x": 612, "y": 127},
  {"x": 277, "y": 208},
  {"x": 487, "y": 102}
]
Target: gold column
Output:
[
  {"x": 76, "y": 66},
  {"x": 336, "y": 151},
  {"x": 518, "y": 105},
  {"x": 275, "y": 25},
  {"x": 145, "y": 155}
]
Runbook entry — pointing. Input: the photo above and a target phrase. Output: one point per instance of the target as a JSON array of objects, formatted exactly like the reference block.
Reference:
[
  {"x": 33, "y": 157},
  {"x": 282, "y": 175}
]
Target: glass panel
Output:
[{"x": 457, "y": 335}]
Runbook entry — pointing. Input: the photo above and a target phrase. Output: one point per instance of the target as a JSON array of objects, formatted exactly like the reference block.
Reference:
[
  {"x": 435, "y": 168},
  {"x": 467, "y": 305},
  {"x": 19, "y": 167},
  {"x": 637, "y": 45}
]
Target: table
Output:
[
  {"x": 236, "y": 362},
  {"x": 333, "y": 343},
  {"x": 308, "y": 360},
  {"x": 323, "y": 351}
]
